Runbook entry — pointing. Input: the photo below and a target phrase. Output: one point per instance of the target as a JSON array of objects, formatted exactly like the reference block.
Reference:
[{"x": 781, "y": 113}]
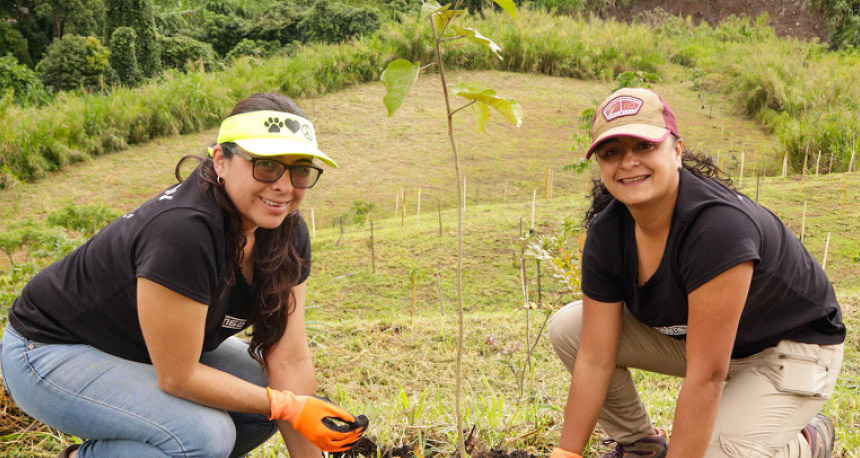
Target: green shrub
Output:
[
  {"x": 843, "y": 21},
  {"x": 75, "y": 62},
  {"x": 123, "y": 56},
  {"x": 84, "y": 219},
  {"x": 12, "y": 42},
  {"x": 332, "y": 22},
  {"x": 277, "y": 24},
  {"x": 254, "y": 48},
  {"x": 185, "y": 53},
  {"x": 221, "y": 31},
  {"x": 138, "y": 15},
  {"x": 21, "y": 83}
]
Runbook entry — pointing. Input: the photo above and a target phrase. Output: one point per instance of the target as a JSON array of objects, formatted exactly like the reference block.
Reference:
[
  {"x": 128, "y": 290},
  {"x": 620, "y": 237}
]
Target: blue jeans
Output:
[{"x": 117, "y": 405}]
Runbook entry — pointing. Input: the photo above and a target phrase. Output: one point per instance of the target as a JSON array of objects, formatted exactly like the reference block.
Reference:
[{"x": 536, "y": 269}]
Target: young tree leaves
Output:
[
  {"x": 510, "y": 109},
  {"x": 398, "y": 77},
  {"x": 431, "y": 7},
  {"x": 482, "y": 115},
  {"x": 476, "y": 37},
  {"x": 509, "y": 6}
]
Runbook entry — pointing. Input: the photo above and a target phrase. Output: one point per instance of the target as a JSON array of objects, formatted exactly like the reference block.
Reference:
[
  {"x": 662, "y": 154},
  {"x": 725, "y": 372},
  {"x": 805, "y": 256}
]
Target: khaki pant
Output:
[{"x": 767, "y": 399}]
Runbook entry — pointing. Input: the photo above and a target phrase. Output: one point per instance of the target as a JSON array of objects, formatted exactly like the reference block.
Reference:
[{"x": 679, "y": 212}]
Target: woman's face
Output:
[
  {"x": 639, "y": 173},
  {"x": 261, "y": 204}
]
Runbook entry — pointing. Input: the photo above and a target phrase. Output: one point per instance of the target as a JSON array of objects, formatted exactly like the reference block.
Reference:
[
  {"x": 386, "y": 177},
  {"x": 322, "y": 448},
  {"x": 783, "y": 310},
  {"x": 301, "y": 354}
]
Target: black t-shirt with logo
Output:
[
  {"x": 714, "y": 229},
  {"x": 176, "y": 240}
]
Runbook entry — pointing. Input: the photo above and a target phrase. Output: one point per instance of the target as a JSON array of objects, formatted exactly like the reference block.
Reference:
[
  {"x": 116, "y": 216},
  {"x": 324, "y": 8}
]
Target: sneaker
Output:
[
  {"x": 821, "y": 435},
  {"x": 653, "y": 446}
]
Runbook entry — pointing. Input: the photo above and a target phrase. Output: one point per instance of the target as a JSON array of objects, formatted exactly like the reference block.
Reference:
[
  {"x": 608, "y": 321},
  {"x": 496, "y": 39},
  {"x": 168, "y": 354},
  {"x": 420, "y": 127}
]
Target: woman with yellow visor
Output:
[{"x": 129, "y": 340}]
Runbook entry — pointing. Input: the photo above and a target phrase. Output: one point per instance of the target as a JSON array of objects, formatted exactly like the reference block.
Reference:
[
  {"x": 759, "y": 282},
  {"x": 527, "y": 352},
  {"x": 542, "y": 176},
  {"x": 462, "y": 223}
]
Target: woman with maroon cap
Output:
[{"x": 683, "y": 275}]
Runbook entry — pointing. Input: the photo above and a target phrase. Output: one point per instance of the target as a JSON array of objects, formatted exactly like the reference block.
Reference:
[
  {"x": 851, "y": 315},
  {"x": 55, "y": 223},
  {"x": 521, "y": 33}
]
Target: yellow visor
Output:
[{"x": 272, "y": 133}]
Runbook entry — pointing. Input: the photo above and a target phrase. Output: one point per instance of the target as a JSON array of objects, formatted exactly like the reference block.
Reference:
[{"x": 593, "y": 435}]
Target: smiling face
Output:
[
  {"x": 638, "y": 173},
  {"x": 261, "y": 204}
]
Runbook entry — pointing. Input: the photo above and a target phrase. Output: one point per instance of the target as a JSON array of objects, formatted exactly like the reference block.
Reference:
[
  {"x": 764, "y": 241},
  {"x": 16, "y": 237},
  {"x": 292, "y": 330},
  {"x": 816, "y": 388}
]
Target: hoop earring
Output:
[{"x": 219, "y": 180}]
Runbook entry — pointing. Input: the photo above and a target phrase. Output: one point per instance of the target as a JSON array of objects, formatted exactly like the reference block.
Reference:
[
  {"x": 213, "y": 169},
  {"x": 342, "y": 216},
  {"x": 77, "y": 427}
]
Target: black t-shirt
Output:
[
  {"x": 713, "y": 229},
  {"x": 176, "y": 240}
]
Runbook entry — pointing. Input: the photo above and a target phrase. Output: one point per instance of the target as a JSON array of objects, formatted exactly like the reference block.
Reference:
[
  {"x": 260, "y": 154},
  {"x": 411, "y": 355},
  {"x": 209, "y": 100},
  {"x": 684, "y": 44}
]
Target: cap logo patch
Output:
[{"x": 621, "y": 106}]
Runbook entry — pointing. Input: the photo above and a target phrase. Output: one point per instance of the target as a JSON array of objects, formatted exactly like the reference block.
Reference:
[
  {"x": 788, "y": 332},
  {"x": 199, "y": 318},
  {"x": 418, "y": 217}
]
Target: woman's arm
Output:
[
  {"x": 173, "y": 328},
  {"x": 290, "y": 367},
  {"x": 595, "y": 361},
  {"x": 714, "y": 312}
]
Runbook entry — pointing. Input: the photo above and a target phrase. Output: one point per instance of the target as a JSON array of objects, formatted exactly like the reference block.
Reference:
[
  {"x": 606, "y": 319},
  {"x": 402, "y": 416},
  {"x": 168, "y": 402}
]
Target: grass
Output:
[{"x": 371, "y": 353}]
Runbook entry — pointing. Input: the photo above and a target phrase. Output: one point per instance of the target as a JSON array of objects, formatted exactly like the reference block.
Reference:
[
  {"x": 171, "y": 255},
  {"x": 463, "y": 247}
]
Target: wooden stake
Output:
[
  {"x": 758, "y": 180},
  {"x": 844, "y": 193},
  {"x": 817, "y": 161},
  {"x": 372, "y": 249},
  {"x": 741, "y": 179},
  {"x": 441, "y": 298},
  {"x": 785, "y": 165},
  {"x": 546, "y": 183},
  {"x": 418, "y": 210},
  {"x": 720, "y": 160},
  {"x": 803, "y": 222},
  {"x": 826, "y": 247},
  {"x": 313, "y": 226},
  {"x": 439, "y": 209},
  {"x": 803, "y": 172},
  {"x": 534, "y": 196}
]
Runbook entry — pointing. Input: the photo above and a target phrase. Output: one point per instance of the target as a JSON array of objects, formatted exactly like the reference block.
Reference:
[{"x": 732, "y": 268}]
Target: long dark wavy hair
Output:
[
  {"x": 693, "y": 161},
  {"x": 277, "y": 264}
]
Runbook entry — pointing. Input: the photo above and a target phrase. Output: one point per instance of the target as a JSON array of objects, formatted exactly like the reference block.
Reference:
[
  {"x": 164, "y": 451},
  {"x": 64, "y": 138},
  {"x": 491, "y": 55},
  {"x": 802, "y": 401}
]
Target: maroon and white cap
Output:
[{"x": 636, "y": 112}]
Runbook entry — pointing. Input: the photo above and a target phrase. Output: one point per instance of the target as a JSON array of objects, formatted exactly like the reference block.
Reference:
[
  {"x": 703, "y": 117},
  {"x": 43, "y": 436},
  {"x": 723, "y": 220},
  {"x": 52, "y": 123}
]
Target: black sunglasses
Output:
[{"x": 270, "y": 171}]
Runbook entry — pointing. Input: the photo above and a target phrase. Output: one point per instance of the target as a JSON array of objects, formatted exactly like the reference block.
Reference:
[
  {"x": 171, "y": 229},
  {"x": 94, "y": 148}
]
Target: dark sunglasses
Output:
[{"x": 270, "y": 171}]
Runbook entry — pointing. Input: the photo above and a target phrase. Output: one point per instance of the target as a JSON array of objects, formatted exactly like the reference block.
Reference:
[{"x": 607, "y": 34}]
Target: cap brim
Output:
[
  {"x": 645, "y": 132},
  {"x": 282, "y": 147}
]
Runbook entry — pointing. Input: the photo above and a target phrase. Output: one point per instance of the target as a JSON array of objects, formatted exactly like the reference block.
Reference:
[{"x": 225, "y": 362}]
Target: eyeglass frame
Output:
[{"x": 253, "y": 161}]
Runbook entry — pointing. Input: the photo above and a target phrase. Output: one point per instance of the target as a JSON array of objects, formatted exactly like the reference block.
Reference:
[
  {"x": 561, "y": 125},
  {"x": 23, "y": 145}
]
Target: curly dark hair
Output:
[
  {"x": 277, "y": 264},
  {"x": 693, "y": 161}
]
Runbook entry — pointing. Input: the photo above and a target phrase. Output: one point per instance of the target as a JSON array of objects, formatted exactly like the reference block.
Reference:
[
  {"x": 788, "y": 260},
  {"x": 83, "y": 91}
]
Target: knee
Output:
[
  {"x": 214, "y": 435},
  {"x": 565, "y": 329}
]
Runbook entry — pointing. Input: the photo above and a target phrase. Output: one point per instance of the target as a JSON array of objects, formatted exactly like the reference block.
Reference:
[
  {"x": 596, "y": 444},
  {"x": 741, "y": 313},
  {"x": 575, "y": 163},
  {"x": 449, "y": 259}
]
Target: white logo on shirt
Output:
[
  {"x": 169, "y": 193},
  {"x": 679, "y": 330},
  {"x": 231, "y": 322}
]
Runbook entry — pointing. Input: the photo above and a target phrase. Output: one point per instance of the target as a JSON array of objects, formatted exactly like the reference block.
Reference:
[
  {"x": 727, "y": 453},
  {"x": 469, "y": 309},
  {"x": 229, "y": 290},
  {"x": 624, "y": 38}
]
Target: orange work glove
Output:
[
  {"x": 561, "y": 453},
  {"x": 326, "y": 425}
]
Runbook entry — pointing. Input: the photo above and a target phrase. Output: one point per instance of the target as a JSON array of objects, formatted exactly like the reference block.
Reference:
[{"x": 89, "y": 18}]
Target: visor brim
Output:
[
  {"x": 647, "y": 132},
  {"x": 268, "y": 147}
]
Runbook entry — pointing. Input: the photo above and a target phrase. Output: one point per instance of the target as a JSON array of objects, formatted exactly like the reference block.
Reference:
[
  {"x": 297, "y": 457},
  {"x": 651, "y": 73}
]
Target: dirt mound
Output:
[{"x": 789, "y": 18}]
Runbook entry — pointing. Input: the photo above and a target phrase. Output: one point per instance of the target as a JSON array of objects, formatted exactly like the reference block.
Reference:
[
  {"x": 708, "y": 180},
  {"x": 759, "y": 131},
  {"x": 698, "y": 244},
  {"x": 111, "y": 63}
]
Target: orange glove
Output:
[
  {"x": 560, "y": 453},
  {"x": 326, "y": 425}
]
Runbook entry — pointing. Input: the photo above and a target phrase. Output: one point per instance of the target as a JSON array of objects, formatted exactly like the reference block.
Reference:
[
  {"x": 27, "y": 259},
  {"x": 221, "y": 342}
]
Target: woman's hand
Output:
[{"x": 326, "y": 425}]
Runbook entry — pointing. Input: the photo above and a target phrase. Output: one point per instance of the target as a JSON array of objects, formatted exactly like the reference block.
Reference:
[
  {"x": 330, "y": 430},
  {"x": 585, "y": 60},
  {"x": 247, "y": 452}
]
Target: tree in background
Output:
[
  {"x": 123, "y": 56},
  {"x": 76, "y": 62},
  {"x": 138, "y": 15},
  {"x": 843, "y": 21}
]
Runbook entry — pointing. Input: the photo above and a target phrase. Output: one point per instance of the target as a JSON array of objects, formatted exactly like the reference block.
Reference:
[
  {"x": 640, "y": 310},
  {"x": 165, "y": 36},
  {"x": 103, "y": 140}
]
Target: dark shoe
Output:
[
  {"x": 67, "y": 452},
  {"x": 821, "y": 435},
  {"x": 653, "y": 446}
]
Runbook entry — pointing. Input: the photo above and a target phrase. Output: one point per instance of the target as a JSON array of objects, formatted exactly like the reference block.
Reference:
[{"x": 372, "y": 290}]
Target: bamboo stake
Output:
[
  {"x": 826, "y": 247},
  {"x": 817, "y": 161},
  {"x": 785, "y": 165},
  {"x": 741, "y": 179},
  {"x": 534, "y": 196},
  {"x": 803, "y": 222},
  {"x": 372, "y": 249},
  {"x": 758, "y": 181},
  {"x": 441, "y": 298},
  {"x": 546, "y": 183},
  {"x": 439, "y": 209},
  {"x": 720, "y": 160},
  {"x": 418, "y": 210},
  {"x": 528, "y": 314},
  {"x": 844, "y": 193},
  {"x": 803, "y": 172},
  {"x": 313, "y": 226}
]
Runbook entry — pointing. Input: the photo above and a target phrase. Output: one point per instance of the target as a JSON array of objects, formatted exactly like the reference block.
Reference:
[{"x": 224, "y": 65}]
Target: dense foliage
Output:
[
  {"x": 12, "y": 42},
  {"x": 183, "y": 53},
  {"x": 76, "y": 62},
  {"x": 332, "y": 22},
  {"x": 123, "y": 57},
  {"x": 843, "y": 21},
  {"x": 138, "y": 15},
  {"x": 20, "y": 83}
]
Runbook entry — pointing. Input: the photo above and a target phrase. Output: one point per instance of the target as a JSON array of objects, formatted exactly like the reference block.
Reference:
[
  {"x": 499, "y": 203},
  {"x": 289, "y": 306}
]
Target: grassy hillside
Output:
[{"x": 375, "y": 353}]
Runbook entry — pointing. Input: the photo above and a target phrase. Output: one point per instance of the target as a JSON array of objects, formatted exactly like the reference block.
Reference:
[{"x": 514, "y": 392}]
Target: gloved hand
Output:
[
  {"x": 561, "y": 453},
  {"x": 326, "y": 425}
]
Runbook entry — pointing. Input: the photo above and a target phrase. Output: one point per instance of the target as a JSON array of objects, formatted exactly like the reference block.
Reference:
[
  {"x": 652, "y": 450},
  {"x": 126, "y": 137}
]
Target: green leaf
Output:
[
  {"x": 398, "y": 77},
  {"x": 509, "y": 108},
  {"x": 482, "y": 115},
  {"x": 440, "y": 18},
  {"x": 509, "y": 6},
  {"x": 476, "y": 37},
  {"x": 432, "y": 6}
]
